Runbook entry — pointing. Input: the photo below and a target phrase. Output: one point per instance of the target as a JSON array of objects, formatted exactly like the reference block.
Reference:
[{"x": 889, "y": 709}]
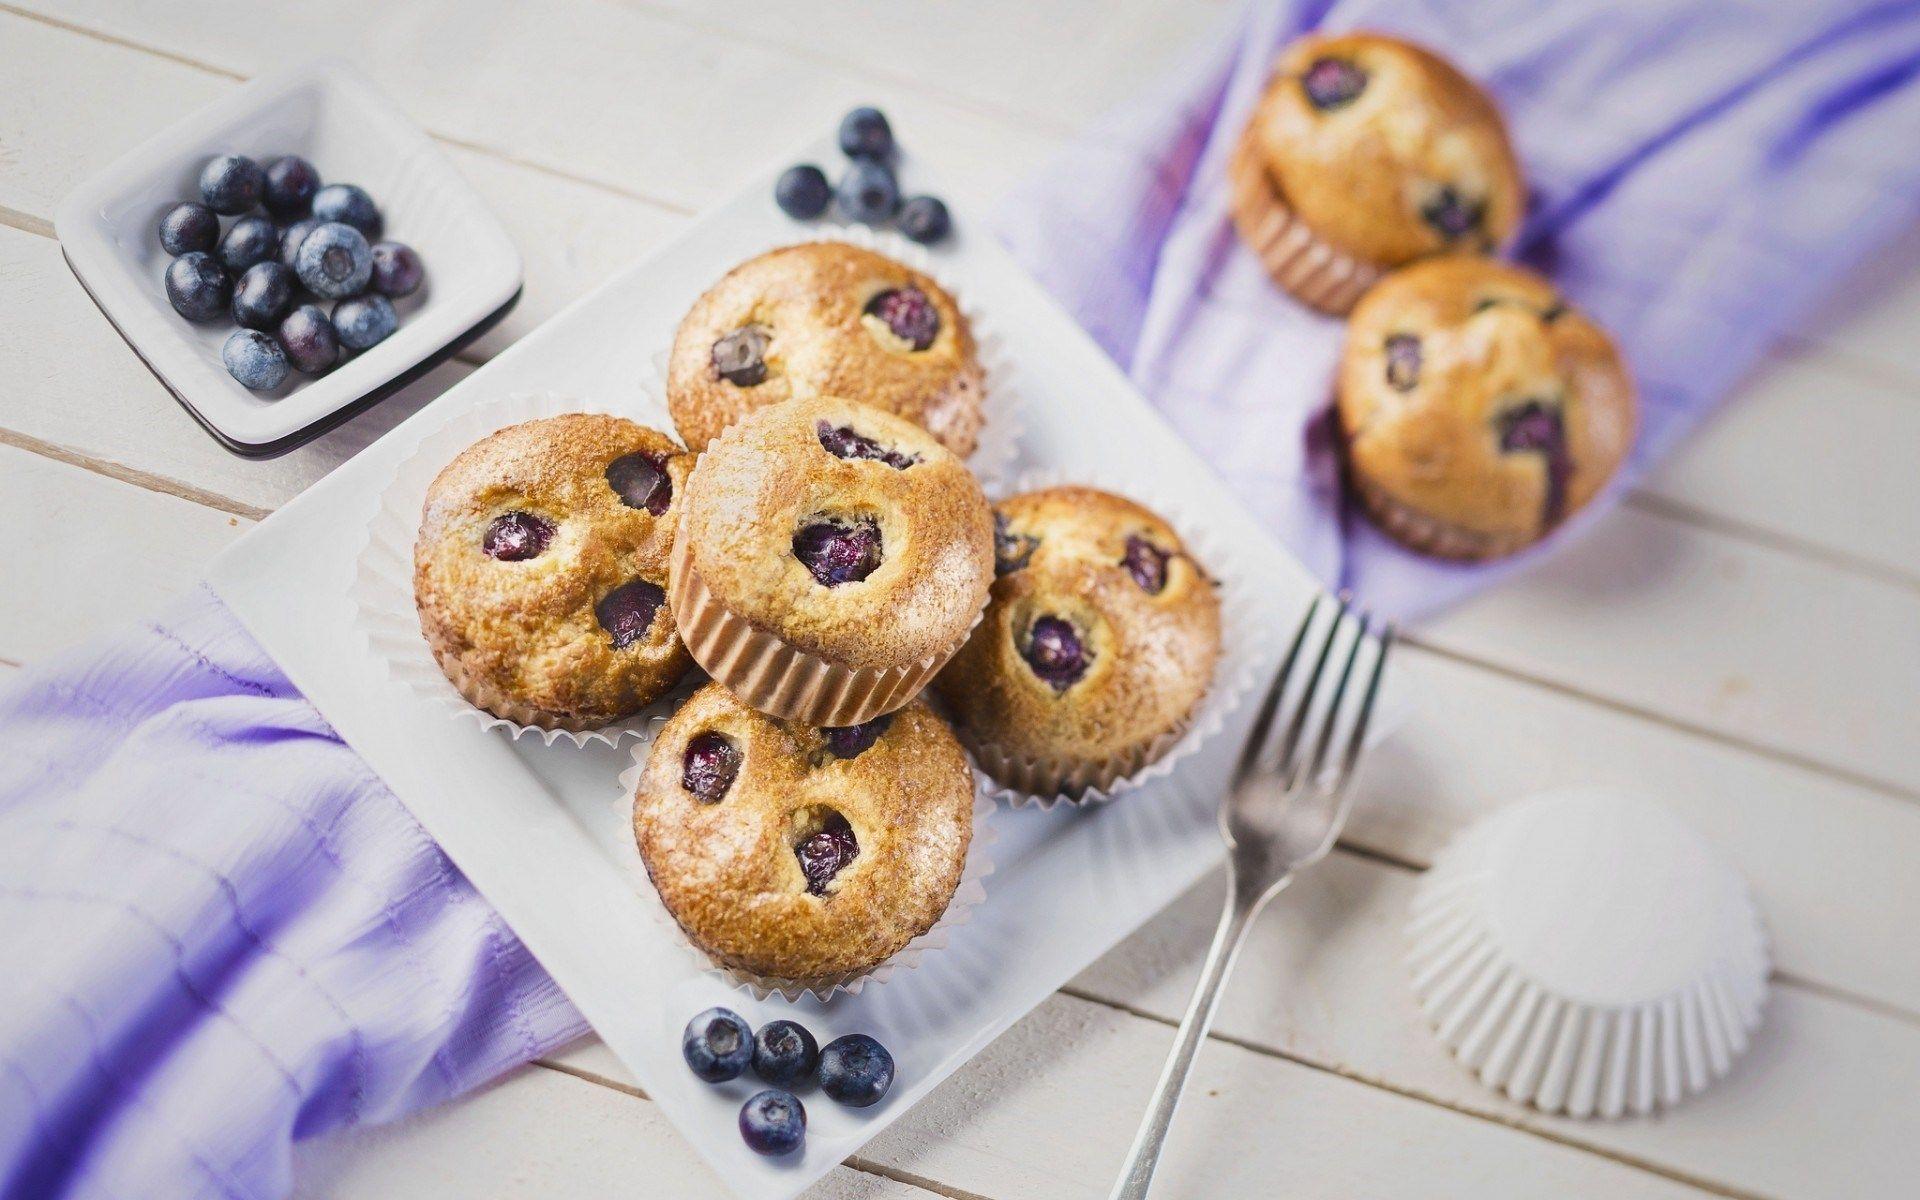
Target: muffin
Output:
[
  {"x": 1099, "y": 642},
  {"x": 540, "y": 570},
  {"x": 803, "y": 855},
  {"x": 826, "y": 318},
  {"x": 1477, "y": 409},
  {"x": 1366, "y": 153},
  {"x": 831, "y": 557}
]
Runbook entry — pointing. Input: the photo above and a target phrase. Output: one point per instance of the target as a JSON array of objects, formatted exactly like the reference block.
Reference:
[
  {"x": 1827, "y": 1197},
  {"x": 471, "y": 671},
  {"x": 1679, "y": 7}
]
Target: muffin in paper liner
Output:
[
  {"x": 970, "y": 891},
  {"x": 1307, "y": 266},
  {"x": 382, "y": 587}
]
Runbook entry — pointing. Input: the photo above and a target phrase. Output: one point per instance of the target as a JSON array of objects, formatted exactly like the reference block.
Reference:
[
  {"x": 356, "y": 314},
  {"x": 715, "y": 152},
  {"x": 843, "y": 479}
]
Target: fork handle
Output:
[{"x": 1236, "y": 917}]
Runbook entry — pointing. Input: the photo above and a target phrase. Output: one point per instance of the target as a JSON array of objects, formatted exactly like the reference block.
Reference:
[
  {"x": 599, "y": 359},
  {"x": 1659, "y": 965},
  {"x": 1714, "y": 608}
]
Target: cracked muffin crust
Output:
[
  {"x": 1098, "y": 644},
  {"x": 541, "y": 565},
  {"x": 797, "y": 853},
  {"x": 826, "y": 318},
  {"x": 1477, "y": 408}
]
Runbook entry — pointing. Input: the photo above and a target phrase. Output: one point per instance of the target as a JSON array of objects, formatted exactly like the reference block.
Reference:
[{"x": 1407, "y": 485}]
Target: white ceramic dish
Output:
[
  {"x": 334, "y": 117},
  {"x": 539, "y": 831}
]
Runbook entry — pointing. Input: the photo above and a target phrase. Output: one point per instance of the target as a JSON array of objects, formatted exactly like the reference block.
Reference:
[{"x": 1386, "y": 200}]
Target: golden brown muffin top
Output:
[
  {"x": 826, "y": 318},
  {"x": 535, "y": 572},
  {"x": 1386, "y": 150},
  {"x": 1101, "y": 635},
  {"x": 801, "y": 853},
  {"x": 1471, "y": 392},
  {"x": 876, "y": 553}
]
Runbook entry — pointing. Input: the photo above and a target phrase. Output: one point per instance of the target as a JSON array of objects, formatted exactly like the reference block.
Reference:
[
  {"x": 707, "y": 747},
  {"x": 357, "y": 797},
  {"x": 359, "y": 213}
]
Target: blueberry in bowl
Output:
[
  {"x": 248, "y": 241},
  {"x": 348, "y": 205},
  {"x": 864, "y": 133},
  {"x": 364, "y": 321},
  {"x": 310, "y": 340},
  {"x": 785, "y": 1054},
  {"x": 868, "y": 193},
  {"x": 334, "y": 261},
  {"x": 856, "y": 1070},
  {"x": 290, "y": 185},
  {"x": 198, "y": 287},
  {"x": 802, "y": 192},
  {"x": 717, "y": 1045},
  {"x": 773, "y": 1123},
  {"x": 254, "y": 359},
  {"x": 262, "y": 295},
  {"x": 290, "y": 238},
  {"x": 397, "y": 269},
  {"x": 187, "y": 227},
  {"x": 232, "y": 184}
]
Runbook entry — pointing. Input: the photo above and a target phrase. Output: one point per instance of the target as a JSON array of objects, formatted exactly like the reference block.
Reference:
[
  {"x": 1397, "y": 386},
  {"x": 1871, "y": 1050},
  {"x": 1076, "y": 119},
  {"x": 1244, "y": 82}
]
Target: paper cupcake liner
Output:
[
  {"x": 967, "y": 895},
  {"x": 1045, "y": 783},
  {"x": 1429, "y": 535},
  {"x": 382, "y": 587},
  {"x": 1309, "y": 267}
]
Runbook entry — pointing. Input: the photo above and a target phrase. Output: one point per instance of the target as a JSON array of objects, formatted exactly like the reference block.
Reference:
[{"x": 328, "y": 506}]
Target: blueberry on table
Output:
[
  {"x": 364, "y": 321},
  {"x": 262, "y": 295},
  {"x": 188, "y": 227},
  {"x": 868, "y": 193},
  {"x": 248, "y": 241},
  {"x": 784, "y": 1053},
  {"x": 802, "y": 192},
  {"x": 864, "y": 133},
  {"x": 397, "y": 270},
  {"x": 311, "y": 343},
  {"x": 232, "y": 184},
  {"x": 349, "y": 205},
  {"x": 255, "y": 359},
  {"x": 773, "y": 1122},
  {"x": 924, "y": 219},
  {"x": 290, "y": 238},
  {"x": 198, "y": 287},
  {"x": 855, "y": 1070},
  {"x": 291, "y": 182},
  {"x": 334, "y": 261},
  {"x": 717, "y": 1044}
]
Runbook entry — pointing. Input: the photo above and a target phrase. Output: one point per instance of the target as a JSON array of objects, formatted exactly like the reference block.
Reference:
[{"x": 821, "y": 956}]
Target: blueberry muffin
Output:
[
  {"x": 1098, "y": 644},
  {"x": 1366, "y": 153},
  {"x": 803, "y": 855},
  {"x": 540, "y": 570},
  {"x": 831, "y": 557},
  {"x": 826, "y": 318},
  {"x": 1478, "y": 410}
]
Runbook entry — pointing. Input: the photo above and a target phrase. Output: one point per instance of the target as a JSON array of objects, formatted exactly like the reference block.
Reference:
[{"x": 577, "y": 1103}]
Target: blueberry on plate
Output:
[
  {"x": 232, "y": 184},
  {"x": 868, "y": 193},
  {"x": 291, "y": 236},
  {"x": 784, "y": 1053},
  {"x": 255, "y": 359},
  {"x": 717, "y": 1045},
  {"x": 291, "y": 182},
  {"x": 349, "y": 205},
  {"x": 248, "y": 241},
  {"x": 198, "y": 287},
  {"x": 864, "y": 133},
  {"x": 188, "y": 227},
  {"x": 924, "y": 219},
  {"x": 803, "y": 192},
  {"x": 262, "y": 295},
  {"x": 364, "y": 321},
  {"x": 397, "y": 270},
  {"x": 773, "y": 1122},
  {"x": 334, "y": 261},
  {"x": 855, "y": 1070},
  {"x": 308, "y": 337}
]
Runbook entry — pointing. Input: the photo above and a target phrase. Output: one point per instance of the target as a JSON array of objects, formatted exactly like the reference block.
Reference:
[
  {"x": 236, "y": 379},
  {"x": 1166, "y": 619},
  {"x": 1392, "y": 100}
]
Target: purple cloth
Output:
[
  {"x": 1704, "y": 172},
  {"x": 222, "y": 931}
]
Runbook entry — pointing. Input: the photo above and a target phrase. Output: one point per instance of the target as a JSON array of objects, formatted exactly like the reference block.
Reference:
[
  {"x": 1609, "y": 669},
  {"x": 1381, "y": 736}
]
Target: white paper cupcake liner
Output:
[
  {"x": 382, "y": 587},
  {"x": 970, "y": 891}
]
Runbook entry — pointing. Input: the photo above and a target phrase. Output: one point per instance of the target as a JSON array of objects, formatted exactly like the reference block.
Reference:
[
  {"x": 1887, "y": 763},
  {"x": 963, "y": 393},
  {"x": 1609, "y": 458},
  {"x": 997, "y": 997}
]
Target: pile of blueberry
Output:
[
  {"x": 868, "y": 193},
  {"x": 854, "y": 1070},
  {"x": 271, "y": 271}
]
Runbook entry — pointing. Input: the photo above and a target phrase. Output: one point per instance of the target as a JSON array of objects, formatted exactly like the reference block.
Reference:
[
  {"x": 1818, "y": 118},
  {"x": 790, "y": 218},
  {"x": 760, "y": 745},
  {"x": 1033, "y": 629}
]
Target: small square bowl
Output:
[{"x": 331, "y": 115}]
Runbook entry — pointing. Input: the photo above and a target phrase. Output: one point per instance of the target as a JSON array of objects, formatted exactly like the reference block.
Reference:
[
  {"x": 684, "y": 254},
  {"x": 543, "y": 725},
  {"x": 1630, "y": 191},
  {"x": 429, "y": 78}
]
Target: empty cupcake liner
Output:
[
  {"x": 382, "y": 587},
  {"x": 967, "y": 895},
  {"x": 1312, "y": 269}
]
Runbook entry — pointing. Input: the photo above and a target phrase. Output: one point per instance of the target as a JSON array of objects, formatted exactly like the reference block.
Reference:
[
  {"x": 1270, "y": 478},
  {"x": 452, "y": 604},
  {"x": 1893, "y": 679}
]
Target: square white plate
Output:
[
  {"x": 542, "y": 831},
  {"x": 333, "y": 116}
]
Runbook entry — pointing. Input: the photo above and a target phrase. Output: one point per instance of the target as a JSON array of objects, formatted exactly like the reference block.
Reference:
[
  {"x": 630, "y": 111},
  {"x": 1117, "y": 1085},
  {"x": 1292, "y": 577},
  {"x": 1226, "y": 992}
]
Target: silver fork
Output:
[{"x": 1283, "y": 811}]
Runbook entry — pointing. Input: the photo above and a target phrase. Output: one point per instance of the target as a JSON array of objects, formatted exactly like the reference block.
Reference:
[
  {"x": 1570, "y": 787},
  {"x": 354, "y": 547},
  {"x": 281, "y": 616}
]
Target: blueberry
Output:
[
  {"x": 1055, "y": 653},
  {"x": 740, "y": 357},
  {"x": 248, "y": 241},
  {"x": 1537, "y": 427},
  {"x": 397, "y": 270},
  {"x": 334, "y": 261},
  {"x": 262, "y": 294},
  {"x": 773, "y": 1122},
  {"x": 825, "y": 852},
  {"x": 290, "y": 238},
  {"x": 864, "y": 133},
  {"x": 709, "y": 766},
  {"x": 1332, "y": 83},
  {"x": 310, "y": 340},
  {"x": 349, "y": 205},
  {"x": 232, "y": 184},
  {"x": 842, "y": 442},
  {"x": 188, "y": 227},
  {"x": 867, "y": 192},
  {"x": 839, "y": 551},
  {"x": 784, "y": 1053},
  {"x": 802, "y": 192},
  {"x": 1147, "y": 563},
  {"x": 855, "y": 1070},
  {"x": 718, "y": 1045},
  {"x": 255, "y": 359},
  {"x": 364, "y": 321},
  {"x": 909, "y": 314},
  {"x": 850, "y": 741},
  {"x": 627, "y": 611},
  {"x": 198, "y": 287},
  {"x": 924, "y": 219},
  {"x": 1403, "y": 361},
  {"x": 291, "y": 182},
  {"x": 641, "y": 481},
  {"x": 516, "y": 536},
  {"x": 1011, "y": 551},
  {"x": 1452, "y": 214}
]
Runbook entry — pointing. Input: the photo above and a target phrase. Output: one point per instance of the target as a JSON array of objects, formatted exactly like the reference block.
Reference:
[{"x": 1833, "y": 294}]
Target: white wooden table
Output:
[{"x": 1742, "y": 635}]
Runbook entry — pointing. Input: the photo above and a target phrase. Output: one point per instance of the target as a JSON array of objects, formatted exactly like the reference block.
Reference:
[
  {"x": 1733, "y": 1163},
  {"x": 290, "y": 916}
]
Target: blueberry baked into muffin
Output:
[
  {"x": 1097, "y": 646},
  {"x": 1478, "y": 410},
  {"x": 800, "y": 854},
  {"x": 540, "y": 570},
  {"x": 826, "y": 318},
  {"x": 1366, "y": 153},
  {"x": 830, "y": 558}
]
